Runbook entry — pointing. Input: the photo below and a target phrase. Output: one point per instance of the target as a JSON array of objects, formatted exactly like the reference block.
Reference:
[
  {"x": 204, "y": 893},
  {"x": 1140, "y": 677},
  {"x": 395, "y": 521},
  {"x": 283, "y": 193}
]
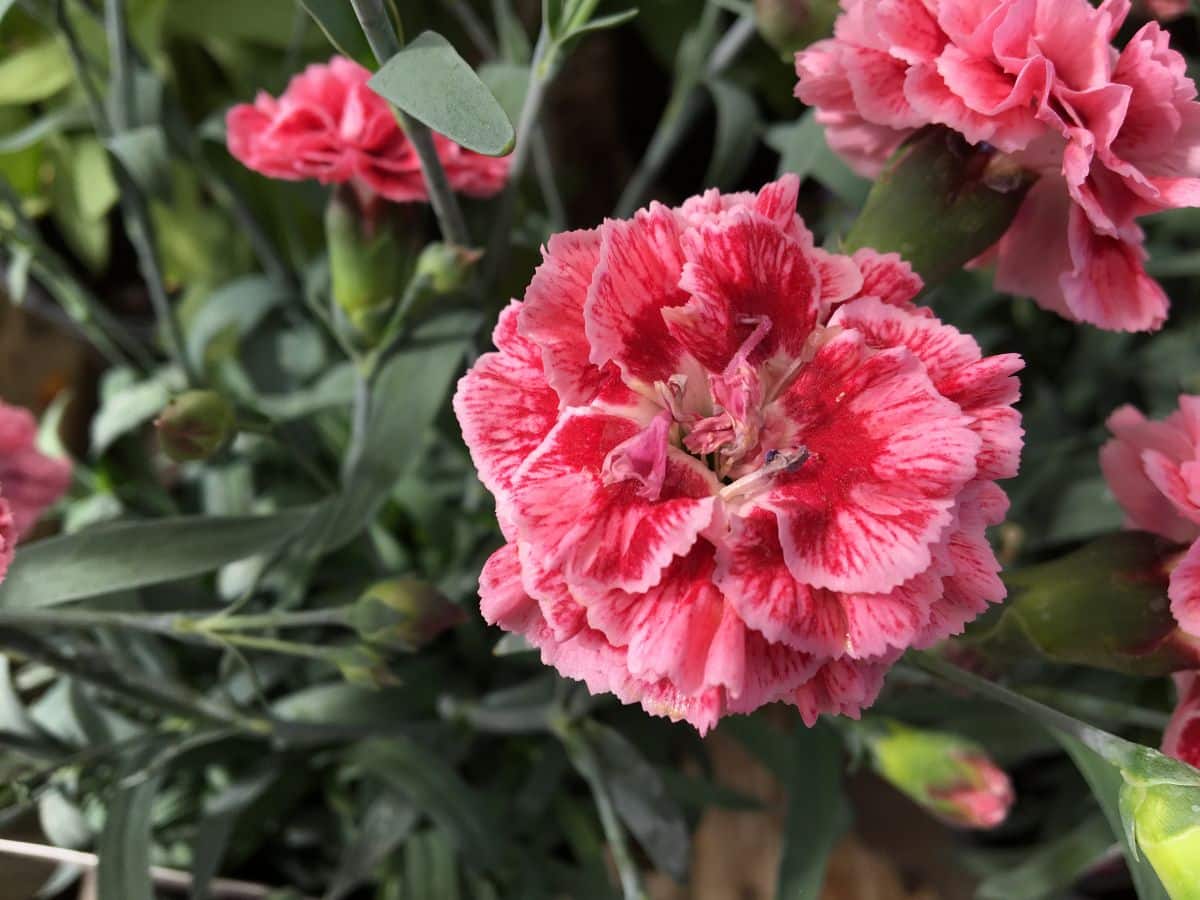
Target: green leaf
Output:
[
  {"x": 14, "y": 719},
  {"x": 60, "y": 119},
  {"x": 337, "y": 20},
  {"x": 1051, "y": 869},
  {"x": 1105, "y": 781},
  {"x": 143, "y": 153},
  {"x": 738, "y": 127},
  {"x": 435, "y": 789},
  {"x": 408, "y": 396},
  {"x": 34, "y": 72},
  {"x": 62, "y": 822},
  {"x": 602, "y": 23},
  {"x": 514, "y": 42},
  {"x": 431, "y": 869},
  {"x": 124, "y": 846},
  {"x": 5, "y": 6},
  {"x": 267, "y": 22},
  {"x": 137, "y": 554},
  {"x": 642, "y": 800},
  {"x": 433, "y": 84},
  {"x": 388, "y": 823},
  {"x": 803, "y": 151},
  {"x": 126, "y": 405},
  {"x": 509, "y": 83},
  {"x": 237, "y": 307}
]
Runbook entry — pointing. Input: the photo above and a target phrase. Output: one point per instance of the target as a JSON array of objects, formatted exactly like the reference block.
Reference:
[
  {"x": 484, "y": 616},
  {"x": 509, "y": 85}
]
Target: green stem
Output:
[
  {"x": 584, "y": 759},
  {"x": 273, "y": 645},
  {"x": 305, "y": 618},
  {"x": 685, "y": 104},
  {"x": 385, "y": 44}
]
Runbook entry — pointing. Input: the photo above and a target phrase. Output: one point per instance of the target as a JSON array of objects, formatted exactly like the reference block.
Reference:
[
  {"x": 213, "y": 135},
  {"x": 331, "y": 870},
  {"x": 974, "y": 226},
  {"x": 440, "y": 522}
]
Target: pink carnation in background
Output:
[
  {"x": 330, "y": 126},
  {"x": 30, "y": 481},
  {"x": 1113, "y": 135},
  {"x": 1182, "y": 737},
  {"x": 1167, "y": 9},
  {"x": 733, "y": 468}
]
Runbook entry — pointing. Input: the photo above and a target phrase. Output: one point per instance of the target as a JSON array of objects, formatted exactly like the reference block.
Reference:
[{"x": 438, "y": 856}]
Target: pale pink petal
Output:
[
  {"x": 1184, "y": 591},
  {"x": 888, "y": 277},
  {"x": 842, "y": 687},
  {"x": 504, "y": 406},
  {"x": 886, "y": 456}
]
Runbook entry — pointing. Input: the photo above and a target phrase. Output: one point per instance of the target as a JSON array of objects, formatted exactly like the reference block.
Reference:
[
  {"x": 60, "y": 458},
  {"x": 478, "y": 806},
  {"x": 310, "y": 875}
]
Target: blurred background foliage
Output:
[{"x": 342, "y": 763}]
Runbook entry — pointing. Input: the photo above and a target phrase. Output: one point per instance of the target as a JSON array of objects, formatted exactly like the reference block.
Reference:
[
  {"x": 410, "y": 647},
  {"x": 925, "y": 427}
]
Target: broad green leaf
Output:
[
  {"x": 130, "y": 555},
  {"x": 388, "y": 823},
  {"x": 62, "y": 822},
  {"x": 738, "y": 127},
  {"x": 238, "y": 306},
  {"x": 337, "y": 20},
  {"x": 408, "y": 396},
  {"x": 34, "y": 72},
  {"x": 1051, "y": 869},
  {"x": 82, "y": 194},
  {"x": 803, "y": 150},
  {"x": 642, "y": 800},
  {"x": 430, "y": 866},
  {"x": 508, "y": 83},
  {"x": 124, "y": 847},
  {"x": 142, "y": 151},
  {"x": 437, "y": 790},
  {"x": 433, "y": 84}
]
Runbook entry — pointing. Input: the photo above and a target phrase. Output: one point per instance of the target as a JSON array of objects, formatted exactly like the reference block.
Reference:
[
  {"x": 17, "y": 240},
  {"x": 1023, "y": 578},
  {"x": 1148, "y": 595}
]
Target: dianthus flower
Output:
[
  {"x": 29, "y": 480},
  {"x": 1113, "y": 136},
  {"x": 1167, "y": 10},
  {"x": 330, "y": 126},
  {"x": 733, "y": 468},
  {"x": 1182, "y": 737}
]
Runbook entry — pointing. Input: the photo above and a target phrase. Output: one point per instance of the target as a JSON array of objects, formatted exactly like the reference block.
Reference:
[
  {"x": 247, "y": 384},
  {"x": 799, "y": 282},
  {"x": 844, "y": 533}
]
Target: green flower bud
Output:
[
  {"x": 196, "y": 425},
  {"x": 1052, "y": 611},
  {"x": 446, "y": 267},
  {"x": 1166, "y": 825},
  {"x": 369, "y": 249},
  {"x": 363, "y": 666},
  {"x": 791, "y": 25},
  {"x": 951, "y": 777},
  {"x": 940, "y": 203},
  {"x": 403, "y": 614}
]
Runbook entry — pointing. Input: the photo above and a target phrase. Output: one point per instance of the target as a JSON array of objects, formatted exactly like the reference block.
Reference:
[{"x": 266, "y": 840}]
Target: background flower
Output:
[
  {"x": 328, "y": 125},
  {"x": 30, "y": 480},
  {"x": 734, "y": 468}
]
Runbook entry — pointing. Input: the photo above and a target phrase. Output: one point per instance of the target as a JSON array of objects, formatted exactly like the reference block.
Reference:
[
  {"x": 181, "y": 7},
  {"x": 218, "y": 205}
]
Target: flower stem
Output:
[{"x": 386, "y": 43}]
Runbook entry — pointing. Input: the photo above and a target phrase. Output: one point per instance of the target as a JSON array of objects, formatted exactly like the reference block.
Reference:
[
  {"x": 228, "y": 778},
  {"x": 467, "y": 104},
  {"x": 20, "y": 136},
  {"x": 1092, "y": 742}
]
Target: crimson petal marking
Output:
[
  {"x": 504, "y": 407},
  {"x": 552, "y": 314},
  {"x": 888, "y": 277},
  {"x": 562, "y": 612},
  {"x": 773, "y": 672},
  {"x": 887, "y": 456},
  {"x": 637, "y": 277},
  {"x": 1183, "y": 589},
  {"x": 739, "y": 272},
  {"x": 605, "y": 537}
]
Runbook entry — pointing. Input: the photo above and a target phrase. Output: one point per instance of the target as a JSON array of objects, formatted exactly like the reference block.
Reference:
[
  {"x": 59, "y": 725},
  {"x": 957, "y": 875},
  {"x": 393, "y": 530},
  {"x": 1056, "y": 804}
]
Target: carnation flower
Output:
[
  {"x": 1114, "y": 136},
  {"x": 1182, "y": 737},
  {"x": 30, "y": 480},
  {"x": 733, "y": 468},
  {"x": 330, "y": 126},
  {"x": 1153, "y": 469},
  {"x": 1166, "y": 10}
]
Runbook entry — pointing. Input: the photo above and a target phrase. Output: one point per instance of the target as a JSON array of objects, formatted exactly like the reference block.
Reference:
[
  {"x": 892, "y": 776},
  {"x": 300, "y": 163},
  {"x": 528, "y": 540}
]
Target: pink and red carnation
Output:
[
  {"x": 1113, "y": 135},
  {"x": 328, "y": 125},
  {"x": 733, "y": 468},
  {"x": 30, "y": 481},
  {"x": 1182, "y": 737}
]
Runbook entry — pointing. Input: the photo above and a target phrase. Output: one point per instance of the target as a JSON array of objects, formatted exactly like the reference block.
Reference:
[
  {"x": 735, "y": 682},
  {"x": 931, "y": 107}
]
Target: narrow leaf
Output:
[
  {"x": 738, "y": 128},
  {"x": 337, "y": 20},
  {"x": 124, "y": 848},
  {"x": 130, "y": 555},
  {"x": 432, "y": 83}
]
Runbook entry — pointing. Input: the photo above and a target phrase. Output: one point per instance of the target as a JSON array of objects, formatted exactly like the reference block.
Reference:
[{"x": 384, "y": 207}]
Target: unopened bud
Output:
[
  {"x": 363, "y": 666},
  {"x": 447, "y": 267},
  {"x": 403, "y": 614},
  {"x": 1165, "y": 819},
  {"x": 196, "y": 425},
  {"x": 368, "y": 252},
  {"x": 791, "y": 25},
  {"x": 951, "y": 777}
]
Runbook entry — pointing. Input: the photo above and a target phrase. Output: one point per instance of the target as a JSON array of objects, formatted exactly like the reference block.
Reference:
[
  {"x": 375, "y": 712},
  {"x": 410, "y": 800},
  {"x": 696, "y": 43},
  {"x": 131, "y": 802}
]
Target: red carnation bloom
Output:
[{"x": 734, "y": 468}]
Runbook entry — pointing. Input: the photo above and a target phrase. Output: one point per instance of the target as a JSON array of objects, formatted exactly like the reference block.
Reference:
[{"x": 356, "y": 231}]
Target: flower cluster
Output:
[
  {"x": 1112, "y": 135},
  {"x": 330, "y": 126},
  {"x": 734, "y": 468},
  {"x": 1153, "y": 470},
  {"x": 30, "y": 480}
]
